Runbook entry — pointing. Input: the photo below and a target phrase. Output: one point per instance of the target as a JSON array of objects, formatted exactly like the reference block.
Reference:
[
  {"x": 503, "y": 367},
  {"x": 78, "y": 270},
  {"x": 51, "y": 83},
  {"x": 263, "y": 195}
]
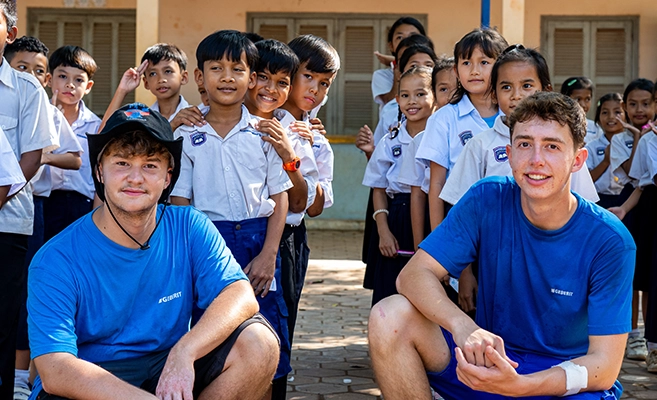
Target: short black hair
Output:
[
  {"x": 638, "y": 84},
  {"x": 413, "y": 50},
  {"x": 252, "y": 36},
  {"x": 8, "y": 9},
  {"x": 576, "y": 83},
  {"x": 413, "y": 40},
  {"x": 73, "y": 56},
  {"x": 317, "y": 53},
  {"x": 226, "y": 43},
  {"x": 405, "y": 21},
  {"x": 167, "y": 52},
  {"x": 518, "y": 53},
  {"x": 28, "y": 44},
  {"x": 275, "y": 57}
]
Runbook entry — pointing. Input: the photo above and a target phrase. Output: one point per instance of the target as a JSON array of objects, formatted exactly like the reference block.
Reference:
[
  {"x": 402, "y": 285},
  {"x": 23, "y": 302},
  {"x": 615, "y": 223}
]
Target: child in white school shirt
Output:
[{"x": 11, "y": 176}]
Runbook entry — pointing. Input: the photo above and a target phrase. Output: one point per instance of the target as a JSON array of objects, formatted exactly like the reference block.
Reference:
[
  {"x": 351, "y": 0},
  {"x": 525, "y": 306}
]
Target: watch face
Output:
[{"x": 297, "y": 164}]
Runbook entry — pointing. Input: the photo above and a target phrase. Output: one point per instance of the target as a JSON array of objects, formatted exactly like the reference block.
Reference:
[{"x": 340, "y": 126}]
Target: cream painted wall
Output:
[
  {"x": 187, "y": 26},
  {"x": 647, "y": 9}
]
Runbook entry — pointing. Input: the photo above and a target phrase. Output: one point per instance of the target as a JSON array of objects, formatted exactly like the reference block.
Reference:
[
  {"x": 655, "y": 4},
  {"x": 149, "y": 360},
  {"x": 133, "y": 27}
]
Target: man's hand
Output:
[
  {"x": 365, "y": 140},
  {"x": 303, "y": 130},
  {"x": 317, "y": 125},
  {"x": 190, "y": 116},
  {"x": 132, "y": 78},
  {"x": 276, "y": 135},
  {"x": 501, "y": 377},
  {"x": 261, "y": 273},
  {"x": 473, "y": 344},
  {"x": 177, "y": 378}
]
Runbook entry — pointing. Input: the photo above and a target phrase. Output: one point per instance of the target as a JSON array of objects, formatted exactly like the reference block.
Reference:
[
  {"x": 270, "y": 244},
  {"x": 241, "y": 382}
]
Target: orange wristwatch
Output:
[{"x": 293, "y": 165}]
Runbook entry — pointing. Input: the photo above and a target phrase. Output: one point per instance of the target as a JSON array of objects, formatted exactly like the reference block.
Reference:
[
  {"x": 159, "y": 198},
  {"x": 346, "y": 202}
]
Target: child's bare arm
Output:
[
  {"x": 318, "y": 205},
  {"x": 4, "y": 191},
  {"x": 629, "y": 204},
  {"x": 388, "y": 244},
  {"x": 30, "y": 163},
  {"x": 261, "y": 269},
  {"x": 190, "y": 116},
  {"x": 418, "y": 206},
  {"x": 365, "y": 141},
  {"x": 600, "y": 169},
  {"x": 438, "y": 177},
  {"x": 180, "y": 201},
  {"x": 129, "y": 82},
  {"x": 71, "y": 160}
]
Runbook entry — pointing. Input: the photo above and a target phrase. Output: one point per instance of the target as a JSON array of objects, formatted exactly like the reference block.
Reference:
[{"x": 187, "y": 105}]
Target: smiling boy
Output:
[{"x": 546, "y": 326}]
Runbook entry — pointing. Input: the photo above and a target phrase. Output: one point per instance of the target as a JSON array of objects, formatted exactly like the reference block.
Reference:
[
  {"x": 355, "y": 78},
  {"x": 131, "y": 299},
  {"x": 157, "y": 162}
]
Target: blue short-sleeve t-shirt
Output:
[
  {"x": 100, "y": 301},
  {"x": 542, "y": 291}
]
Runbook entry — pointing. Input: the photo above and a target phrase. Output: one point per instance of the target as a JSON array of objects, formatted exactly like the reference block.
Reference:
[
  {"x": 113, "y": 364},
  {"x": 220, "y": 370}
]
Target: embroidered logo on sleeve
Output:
[
  {"x": 500, "y": 154},
  {"x": 600, "y": 151},
  {"x": 629, "y": 143},
  {"x": 198, "y": 138},
  {"x": 396, "y": 150},
  {"x": 465, "y": 136}
]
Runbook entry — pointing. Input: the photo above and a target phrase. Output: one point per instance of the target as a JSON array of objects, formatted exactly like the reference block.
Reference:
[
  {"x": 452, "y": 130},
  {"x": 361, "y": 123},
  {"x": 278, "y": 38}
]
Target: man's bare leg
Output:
[
  {"x": 404, "y": 345},
  {"x": 249, "y": 368}
]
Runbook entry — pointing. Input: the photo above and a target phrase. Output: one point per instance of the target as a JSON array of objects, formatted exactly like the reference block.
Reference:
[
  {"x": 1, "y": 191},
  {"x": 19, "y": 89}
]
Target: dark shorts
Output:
[
  {"x": 447, "y": 384},
  {"x": 144, "y": 372}
]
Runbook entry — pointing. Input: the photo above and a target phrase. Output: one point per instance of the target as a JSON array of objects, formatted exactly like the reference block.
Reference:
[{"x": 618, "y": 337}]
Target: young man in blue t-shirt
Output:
[
  {"x": 111, "y": 296},
  {"x": 555, "y": 282}
]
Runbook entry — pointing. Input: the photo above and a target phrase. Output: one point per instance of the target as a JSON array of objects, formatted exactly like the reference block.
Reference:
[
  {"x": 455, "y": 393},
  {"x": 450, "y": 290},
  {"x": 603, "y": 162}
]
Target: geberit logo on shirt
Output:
[{"x": 170, "y": 297}]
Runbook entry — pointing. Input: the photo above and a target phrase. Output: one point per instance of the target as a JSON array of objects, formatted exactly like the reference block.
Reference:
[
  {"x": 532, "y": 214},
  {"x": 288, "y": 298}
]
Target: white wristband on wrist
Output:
[
  {"x": 379, "y": 211},
  {"x": 577, "y": 377}
]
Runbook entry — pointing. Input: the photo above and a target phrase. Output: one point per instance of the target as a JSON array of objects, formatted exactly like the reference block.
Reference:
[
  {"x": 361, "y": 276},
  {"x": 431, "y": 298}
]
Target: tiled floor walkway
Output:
[{"x": 330, "y": 353}]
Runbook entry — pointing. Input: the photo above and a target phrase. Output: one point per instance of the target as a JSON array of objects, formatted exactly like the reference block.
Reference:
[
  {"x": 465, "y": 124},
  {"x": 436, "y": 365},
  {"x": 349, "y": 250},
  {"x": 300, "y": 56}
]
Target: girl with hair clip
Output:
[
  {"x": 517, "y": 73},
  {"x": 580, "y": 89},
  {"x": 633, "y": 159},
  {"x": 470, "y": 112},
  {"x": 392, "y": 198}
]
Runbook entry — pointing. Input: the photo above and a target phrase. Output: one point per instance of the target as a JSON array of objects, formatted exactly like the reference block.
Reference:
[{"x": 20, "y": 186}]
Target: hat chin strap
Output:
[{"x": 145, "y": 245}]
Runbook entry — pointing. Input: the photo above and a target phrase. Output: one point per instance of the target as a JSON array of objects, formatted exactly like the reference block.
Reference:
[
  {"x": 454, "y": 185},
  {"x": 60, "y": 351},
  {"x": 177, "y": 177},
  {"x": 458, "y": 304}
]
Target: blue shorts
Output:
[
  {"x": 245, "y": 240},
  {"x": 447, "y": 384}
]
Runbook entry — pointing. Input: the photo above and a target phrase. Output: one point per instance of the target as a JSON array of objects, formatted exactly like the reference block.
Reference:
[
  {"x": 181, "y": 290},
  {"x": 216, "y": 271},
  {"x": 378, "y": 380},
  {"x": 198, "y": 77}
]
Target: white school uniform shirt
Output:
[
  {"x": 10, "y": 171},
  {"x": 607, "y": 183},
  {"x": 79, "y": 181},
  {"x": 308, "y": 167},
  {"x": 181, "y": 104},
  {"x": 620, "y": 151},
  {"x": 388, "y": 118},
  {"x": 447, "y": 132},
  {"x": 593, "y": 131},
  {"x": 383, "y": 167},
  {"x": 68, "y": 143},
  {"x": 652, "y": 156},
  {"x": 641, "y": 164},
  {"x": 382, "y": 80},
  {"x": 414, "y": 172},
  {"x": 231, "y": 178},
  {"x": 485, "y": 155},
  {"x": 26, "y": 120},
  {"x": 324, "y": 158}
]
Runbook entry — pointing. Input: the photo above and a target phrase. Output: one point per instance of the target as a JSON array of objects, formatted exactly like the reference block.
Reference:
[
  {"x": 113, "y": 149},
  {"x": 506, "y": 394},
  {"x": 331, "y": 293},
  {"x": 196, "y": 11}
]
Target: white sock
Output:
[
  {"x": 652, "y": 346},
  {"x": 635, "y": 333},
  {"x": 21, "y": 378}
]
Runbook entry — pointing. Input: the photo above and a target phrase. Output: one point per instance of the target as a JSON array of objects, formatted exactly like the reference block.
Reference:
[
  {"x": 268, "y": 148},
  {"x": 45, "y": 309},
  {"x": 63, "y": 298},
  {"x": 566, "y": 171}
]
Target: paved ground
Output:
[{"x": 330, "y": 354}]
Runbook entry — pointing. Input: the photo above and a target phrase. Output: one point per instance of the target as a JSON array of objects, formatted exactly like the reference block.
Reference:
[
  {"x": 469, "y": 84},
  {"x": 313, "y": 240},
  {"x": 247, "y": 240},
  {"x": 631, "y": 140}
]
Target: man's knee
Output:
[
  {"x": 259, "y": 344},
  {"x": 389, "y": 316}
]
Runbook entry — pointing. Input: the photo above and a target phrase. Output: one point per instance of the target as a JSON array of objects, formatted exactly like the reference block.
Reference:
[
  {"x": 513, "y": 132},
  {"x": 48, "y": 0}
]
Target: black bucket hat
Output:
[{"x": 133, "y": 117}]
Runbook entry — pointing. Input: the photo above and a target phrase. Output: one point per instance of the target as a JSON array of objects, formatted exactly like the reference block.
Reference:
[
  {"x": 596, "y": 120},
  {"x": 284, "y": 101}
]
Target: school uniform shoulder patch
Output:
[
  {"x": 629, "y": 143},
  {"x": 600, "y": 151},
  {"x": 198, "y": 138},
  {"x": 500, "y": 154},
  {"x": 465, "y": 136},
  {"x": 396, "y": 150}
]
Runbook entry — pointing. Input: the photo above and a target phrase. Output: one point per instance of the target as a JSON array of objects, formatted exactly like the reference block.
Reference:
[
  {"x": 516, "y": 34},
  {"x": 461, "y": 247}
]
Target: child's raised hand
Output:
[
  {"x": 303, "y": 130},
  {"x": 365, "y": 140},
  {"x": 384, "y": 58},
  {"x": 190, "y": 116},
  {"x": 276, "y": 135},
  {"x": 317, "y": 125},
  {"x": 53, "y": 99},
  {"x": 627, "y": 126},
  {"x": 132, "y": 78}
]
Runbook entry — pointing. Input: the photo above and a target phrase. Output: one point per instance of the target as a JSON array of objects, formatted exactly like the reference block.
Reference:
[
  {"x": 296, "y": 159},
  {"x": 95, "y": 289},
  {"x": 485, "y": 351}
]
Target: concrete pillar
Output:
[
  {"x": 148, "y": 33},
  {"x": 513, "y": 21}
]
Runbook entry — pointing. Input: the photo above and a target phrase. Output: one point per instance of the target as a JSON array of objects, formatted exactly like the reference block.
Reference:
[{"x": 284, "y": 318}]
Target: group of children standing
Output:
[
  {"x": 433, "y": 151},
  {"x": 254, "y": 160}
]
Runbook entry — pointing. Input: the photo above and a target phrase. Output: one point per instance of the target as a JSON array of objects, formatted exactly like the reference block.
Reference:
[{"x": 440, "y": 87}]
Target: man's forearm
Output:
[
  {"x": 234, "y": 305},
  {"x": 65, "y": 375}
]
